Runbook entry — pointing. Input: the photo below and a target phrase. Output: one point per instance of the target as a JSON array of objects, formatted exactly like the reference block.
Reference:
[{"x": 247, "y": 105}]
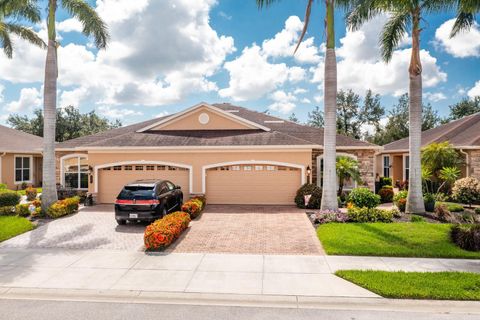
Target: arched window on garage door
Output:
[{"x": 74, "y": 171}]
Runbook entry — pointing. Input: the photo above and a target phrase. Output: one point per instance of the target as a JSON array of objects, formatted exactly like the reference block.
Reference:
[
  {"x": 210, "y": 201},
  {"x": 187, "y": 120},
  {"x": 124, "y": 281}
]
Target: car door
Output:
[
  {"x": 173, "y": 197},
  {"x": 165, "y": 196}
]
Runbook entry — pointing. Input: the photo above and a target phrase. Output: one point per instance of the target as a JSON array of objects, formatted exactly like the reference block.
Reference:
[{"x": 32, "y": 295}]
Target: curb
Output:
[{"x": 239, "y": 300}]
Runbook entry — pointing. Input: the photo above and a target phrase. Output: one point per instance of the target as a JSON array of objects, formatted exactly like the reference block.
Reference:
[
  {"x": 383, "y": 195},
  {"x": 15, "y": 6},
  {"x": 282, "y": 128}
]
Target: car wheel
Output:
[{"x": 121, "y": 222}]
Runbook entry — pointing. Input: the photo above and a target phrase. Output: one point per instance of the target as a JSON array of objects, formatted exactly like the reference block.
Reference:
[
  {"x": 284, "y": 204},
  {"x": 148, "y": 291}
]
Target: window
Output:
[
  {"x": 247, "y": 168},
  {"x": 235, "y": 168},
  {"x": 150, "y": 168},
  {"x": 386, "y": 166},
  {"x": 75, "y": 172},
  {"x": 139, "y": 168},
  {"x": 270, "y": 168},
  {"x": 127, "y": 168},
  {"x": 170, "y": 185},
  {"x": 258, "y": 168},
  {"x": 117, "y": 168},
  {"x": 23, "y": 169},
  {"x": 160, "y": 167},
  {"x": 407, "y": 167}
]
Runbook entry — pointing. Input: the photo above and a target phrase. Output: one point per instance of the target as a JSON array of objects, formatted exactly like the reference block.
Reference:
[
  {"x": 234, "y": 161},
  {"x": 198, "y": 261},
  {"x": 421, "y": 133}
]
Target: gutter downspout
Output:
[
  {"x": 1, "y": 156},
  {"x": 467, "y": 162}
]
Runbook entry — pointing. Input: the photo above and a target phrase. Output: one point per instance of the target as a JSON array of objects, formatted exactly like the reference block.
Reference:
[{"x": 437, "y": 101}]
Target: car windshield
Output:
[{"x": 137, "y": 192}]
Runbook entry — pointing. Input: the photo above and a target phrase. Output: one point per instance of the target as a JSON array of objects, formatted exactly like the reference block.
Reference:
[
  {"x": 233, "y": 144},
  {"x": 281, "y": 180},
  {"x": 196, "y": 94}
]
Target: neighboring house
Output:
[
  {"x": 231, "y": 154},
  {"x": 20, "y": 158},
  {"x": 463, "y": 134}
]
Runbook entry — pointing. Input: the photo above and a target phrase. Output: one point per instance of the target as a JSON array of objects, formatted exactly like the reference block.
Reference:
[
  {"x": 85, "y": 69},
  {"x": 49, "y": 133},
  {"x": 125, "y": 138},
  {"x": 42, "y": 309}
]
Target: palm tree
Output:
[
  {"x": 10, "y": 12},
  {"x": 329, "y": 196},
  {"x": 93, "y": 26},
  {"x": 347, "y": 168},
  {"x": 405, "y": 15}
]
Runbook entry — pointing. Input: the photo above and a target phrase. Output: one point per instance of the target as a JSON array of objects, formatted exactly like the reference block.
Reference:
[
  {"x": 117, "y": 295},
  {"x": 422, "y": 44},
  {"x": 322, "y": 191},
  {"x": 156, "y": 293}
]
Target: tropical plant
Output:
[
  {"x": 329, "y": 197},
  {"x": 93, "y": 26},
  {"x": 437, "y": 156},
  {"x": 402, "y": 16},
  {"x": 10, "y": 12},
  {"x": 448, "y": 175},
  {"x": 347, "y": 168}
]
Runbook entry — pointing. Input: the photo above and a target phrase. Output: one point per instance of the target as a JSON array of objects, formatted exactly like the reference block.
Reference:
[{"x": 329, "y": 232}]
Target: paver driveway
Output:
[
  {"x": 250, "y": 229},
  {"x": 220, "y": 229},
  {"x": 91, "y": 228}
]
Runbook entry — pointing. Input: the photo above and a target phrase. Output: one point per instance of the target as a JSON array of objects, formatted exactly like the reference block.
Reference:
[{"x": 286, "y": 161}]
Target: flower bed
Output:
[
  {"x": 163, "y": 232},
  {"x": 194, "y": 206},
  {"x": 63, "y": 207}
]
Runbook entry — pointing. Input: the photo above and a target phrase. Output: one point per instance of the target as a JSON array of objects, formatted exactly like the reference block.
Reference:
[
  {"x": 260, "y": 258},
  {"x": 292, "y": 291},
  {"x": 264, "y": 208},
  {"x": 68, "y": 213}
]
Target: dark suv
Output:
[{"x": 147, "y": 200}]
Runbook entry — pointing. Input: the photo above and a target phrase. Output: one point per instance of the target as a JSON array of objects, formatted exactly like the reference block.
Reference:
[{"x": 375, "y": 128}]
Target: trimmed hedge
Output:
[
  {"x": 7, "y": 211},
  {"x": 194, "y": 206},
  {"x": 386, "y": 194},
  {"x": 315, "y": 199},
  {"x": 363, "y": 197},
  {"x": 370, "y": 215},
  {"x": 163, "y": 232},
  {"x": 467, "y": 236},
  {"x": 9, "y": 198},
  {"x": 63, "y": 207}
]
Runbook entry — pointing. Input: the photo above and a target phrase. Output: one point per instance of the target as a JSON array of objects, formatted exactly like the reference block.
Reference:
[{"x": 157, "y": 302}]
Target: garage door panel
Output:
[
  {"x": 111, "y": 181},
  {"x": 252, "y": 187}
]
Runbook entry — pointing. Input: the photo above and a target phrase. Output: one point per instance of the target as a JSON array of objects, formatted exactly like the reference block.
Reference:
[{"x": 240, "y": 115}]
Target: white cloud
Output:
[
  {"x": 162, "y": 114},
  {"x": 464, "y": 44},
  {"x": 434, "y": 96},
  {"x": 163, "y": 65},
  {"x": 475, "y": 90},
  {"x": 2, "y": 88},
  {"x": 306, "y": 100},
  {"x": 283, "y": 102},
  {"x": 283, "y": 43},
  {"x": 29, "y": 99},
  {"x": 300, "y": 91},
  {"x": 69, "y": 25},
  {"x": 117, "y": 113}
]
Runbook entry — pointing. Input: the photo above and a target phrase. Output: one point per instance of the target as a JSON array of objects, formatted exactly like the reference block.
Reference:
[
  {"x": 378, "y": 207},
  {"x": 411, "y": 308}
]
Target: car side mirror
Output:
[{"x": 178, "y": 187}]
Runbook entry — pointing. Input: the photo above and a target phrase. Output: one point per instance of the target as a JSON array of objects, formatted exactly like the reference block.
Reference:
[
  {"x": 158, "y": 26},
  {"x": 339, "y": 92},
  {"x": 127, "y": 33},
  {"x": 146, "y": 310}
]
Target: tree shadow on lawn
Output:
[{"x": 384, "y": 235}]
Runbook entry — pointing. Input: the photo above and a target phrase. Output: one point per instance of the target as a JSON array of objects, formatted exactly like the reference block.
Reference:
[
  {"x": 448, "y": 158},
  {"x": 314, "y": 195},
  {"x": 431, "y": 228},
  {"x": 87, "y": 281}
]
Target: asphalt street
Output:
[{"x": 66, "y": 310}]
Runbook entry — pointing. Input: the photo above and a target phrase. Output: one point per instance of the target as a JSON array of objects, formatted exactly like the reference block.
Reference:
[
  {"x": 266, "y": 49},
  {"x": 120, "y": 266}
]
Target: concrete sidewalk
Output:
[{"x": 201, "y": 273}]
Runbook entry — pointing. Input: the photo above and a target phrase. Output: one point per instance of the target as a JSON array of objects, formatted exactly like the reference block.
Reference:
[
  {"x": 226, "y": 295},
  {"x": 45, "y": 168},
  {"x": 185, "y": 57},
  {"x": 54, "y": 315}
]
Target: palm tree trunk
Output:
[
  {"x": 49, "y": 193},
  {"x": 329, "y": 195},
  {"x": 415, "y": 202}
]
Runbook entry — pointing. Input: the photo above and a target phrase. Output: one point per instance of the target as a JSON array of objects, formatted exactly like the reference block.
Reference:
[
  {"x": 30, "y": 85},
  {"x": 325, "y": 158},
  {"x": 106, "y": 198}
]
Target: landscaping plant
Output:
[
  {"x": 370, "y": 215},
  {"x": 416, "y": 218},
  {"x": 315, "y": 196},
  {"x": 466, "y": 236},
  {"x": 326, "y": 216},
  {"x": 443, "y": 214},
  {"x": 477, "y": 210},
  {"x": 163, "y": 232},
  {"x": 466, "y": 190},
  {"x": 31, "y": 193},
  {"x": 347, "y": 168},
  {"x": 400, "y": 200},
  {"x": 386, "y": 194},
  {"x": 194, "y": 206},
  {"x": 63, "y": 207},
  {"x": 429, "y": 200},
  {"x": 363, "y": 197},
  {"x": 9, "y": 198}
]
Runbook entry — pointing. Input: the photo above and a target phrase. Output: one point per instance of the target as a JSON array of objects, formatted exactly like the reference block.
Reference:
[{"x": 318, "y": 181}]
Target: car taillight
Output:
[
  {"x": 120, "y": 201},
  {"x": 147, "y": 202}
]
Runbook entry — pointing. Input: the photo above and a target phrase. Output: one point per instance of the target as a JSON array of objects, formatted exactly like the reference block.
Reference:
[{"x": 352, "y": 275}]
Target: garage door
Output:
[
  {"x": 252, "y": 184},
  {"x": 112, "y": 179}
]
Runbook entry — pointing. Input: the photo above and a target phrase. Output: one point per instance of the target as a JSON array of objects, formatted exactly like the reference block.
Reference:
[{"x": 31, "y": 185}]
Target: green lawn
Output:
[
  {"x": 391, "y": 239},
  {"x": 417, "y": 285},
  {"x": 11, "y": 226},
  {"x": 22, "y": 192}
]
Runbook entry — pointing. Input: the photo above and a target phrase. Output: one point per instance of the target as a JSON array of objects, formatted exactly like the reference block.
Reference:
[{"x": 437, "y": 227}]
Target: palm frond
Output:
[
  {"x": 265, "y": 3},
  {"x": 361, "y": 12},
  {"x": 308, "y": 11},
  {"x": 463, "y": 22},
  {"x": 5, "y": 41},
  {"x": 26, "y": 34},
  {"x": 24, "y": 9},
  {"x": 392, "y": 33},
  {"x": 437, "y": 6},
  {"x": 92, "y": 24}
]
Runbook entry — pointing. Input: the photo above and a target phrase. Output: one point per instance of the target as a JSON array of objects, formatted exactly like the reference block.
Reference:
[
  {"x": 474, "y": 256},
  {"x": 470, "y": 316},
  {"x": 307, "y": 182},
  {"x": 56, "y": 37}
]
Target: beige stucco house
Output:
[
  {"x": 20, "y": 158},
  {"x": 463, "y": 134},
  {"x": 231, "y": 154}
]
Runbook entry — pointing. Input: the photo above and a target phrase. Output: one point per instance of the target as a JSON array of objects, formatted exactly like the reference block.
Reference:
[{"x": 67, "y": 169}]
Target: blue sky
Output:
[{"x": 228, "y": 51}]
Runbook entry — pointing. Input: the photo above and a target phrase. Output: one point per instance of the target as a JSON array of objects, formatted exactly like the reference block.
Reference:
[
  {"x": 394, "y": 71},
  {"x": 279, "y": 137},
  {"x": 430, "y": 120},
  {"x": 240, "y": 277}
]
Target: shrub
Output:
[
  {"x": 63, "y": 207},
  {"x": 415, "y": 218},
  {"x": 385, "y": 181},
  {"x": 315, "y": 199},
  {"x": 31, "y": 193},
  {"x": 400, "y": 200},
  {"x": 22, "y": 209},
  {"x": 202, "y": 199},
  {"x": 469, "y": 217},
  {"x": 429, "y": 202},
  {"x": 326, "y": 216},
  {"x": 455, "y": 207},
  {"x": 386, "y": 194},
  {"x": 443, "y": 214},
  {"x": 3, "y": 186},
  {"x": 7, "y": 210},
  {"x": 477, "y": 210},
  {"x": 23, "y": 186},
  {"x": 9, "y": 198},
  {"x": 163, "y": 232},
  {"x": 466, "y": 237},
  {"x": 370, "y": 215},
  {"x": 363, "y": 197},
  {"x": 466, "y": 190},
  {"x": 192, "y": 208}
]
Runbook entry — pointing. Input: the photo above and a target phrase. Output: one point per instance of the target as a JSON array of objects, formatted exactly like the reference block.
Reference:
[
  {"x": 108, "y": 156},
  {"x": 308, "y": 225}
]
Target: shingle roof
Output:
[
  {"x": 285, "y": 133},
  {"x": 12, "y": 140},
  {"x": 464, "y": 132}
]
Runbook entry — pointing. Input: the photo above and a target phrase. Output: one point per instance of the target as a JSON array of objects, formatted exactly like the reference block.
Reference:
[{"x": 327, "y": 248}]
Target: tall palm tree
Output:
[
  {"x": 11, "y": 12},
  {"x": 347, "y": 169},
  {"x": 329, "y": 194},
  {"x": 403, "y": 16},
  {"x": 93, "y": 26}
]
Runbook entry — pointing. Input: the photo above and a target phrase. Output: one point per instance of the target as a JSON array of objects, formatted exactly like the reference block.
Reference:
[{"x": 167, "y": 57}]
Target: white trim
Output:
[
  {"x": 319, "y": 166},
  {"x": 180, "y": 115},
  {"x": 274, "y": 121},
  {"x": 30, "y": 177},
  {"x": 144, "y": 162},
  {"x": 68, "y": 156},
  {"x": 252, "y": 162},
  {"x": 404, "y": 167},
  {"x": 1, "y": 157}
]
